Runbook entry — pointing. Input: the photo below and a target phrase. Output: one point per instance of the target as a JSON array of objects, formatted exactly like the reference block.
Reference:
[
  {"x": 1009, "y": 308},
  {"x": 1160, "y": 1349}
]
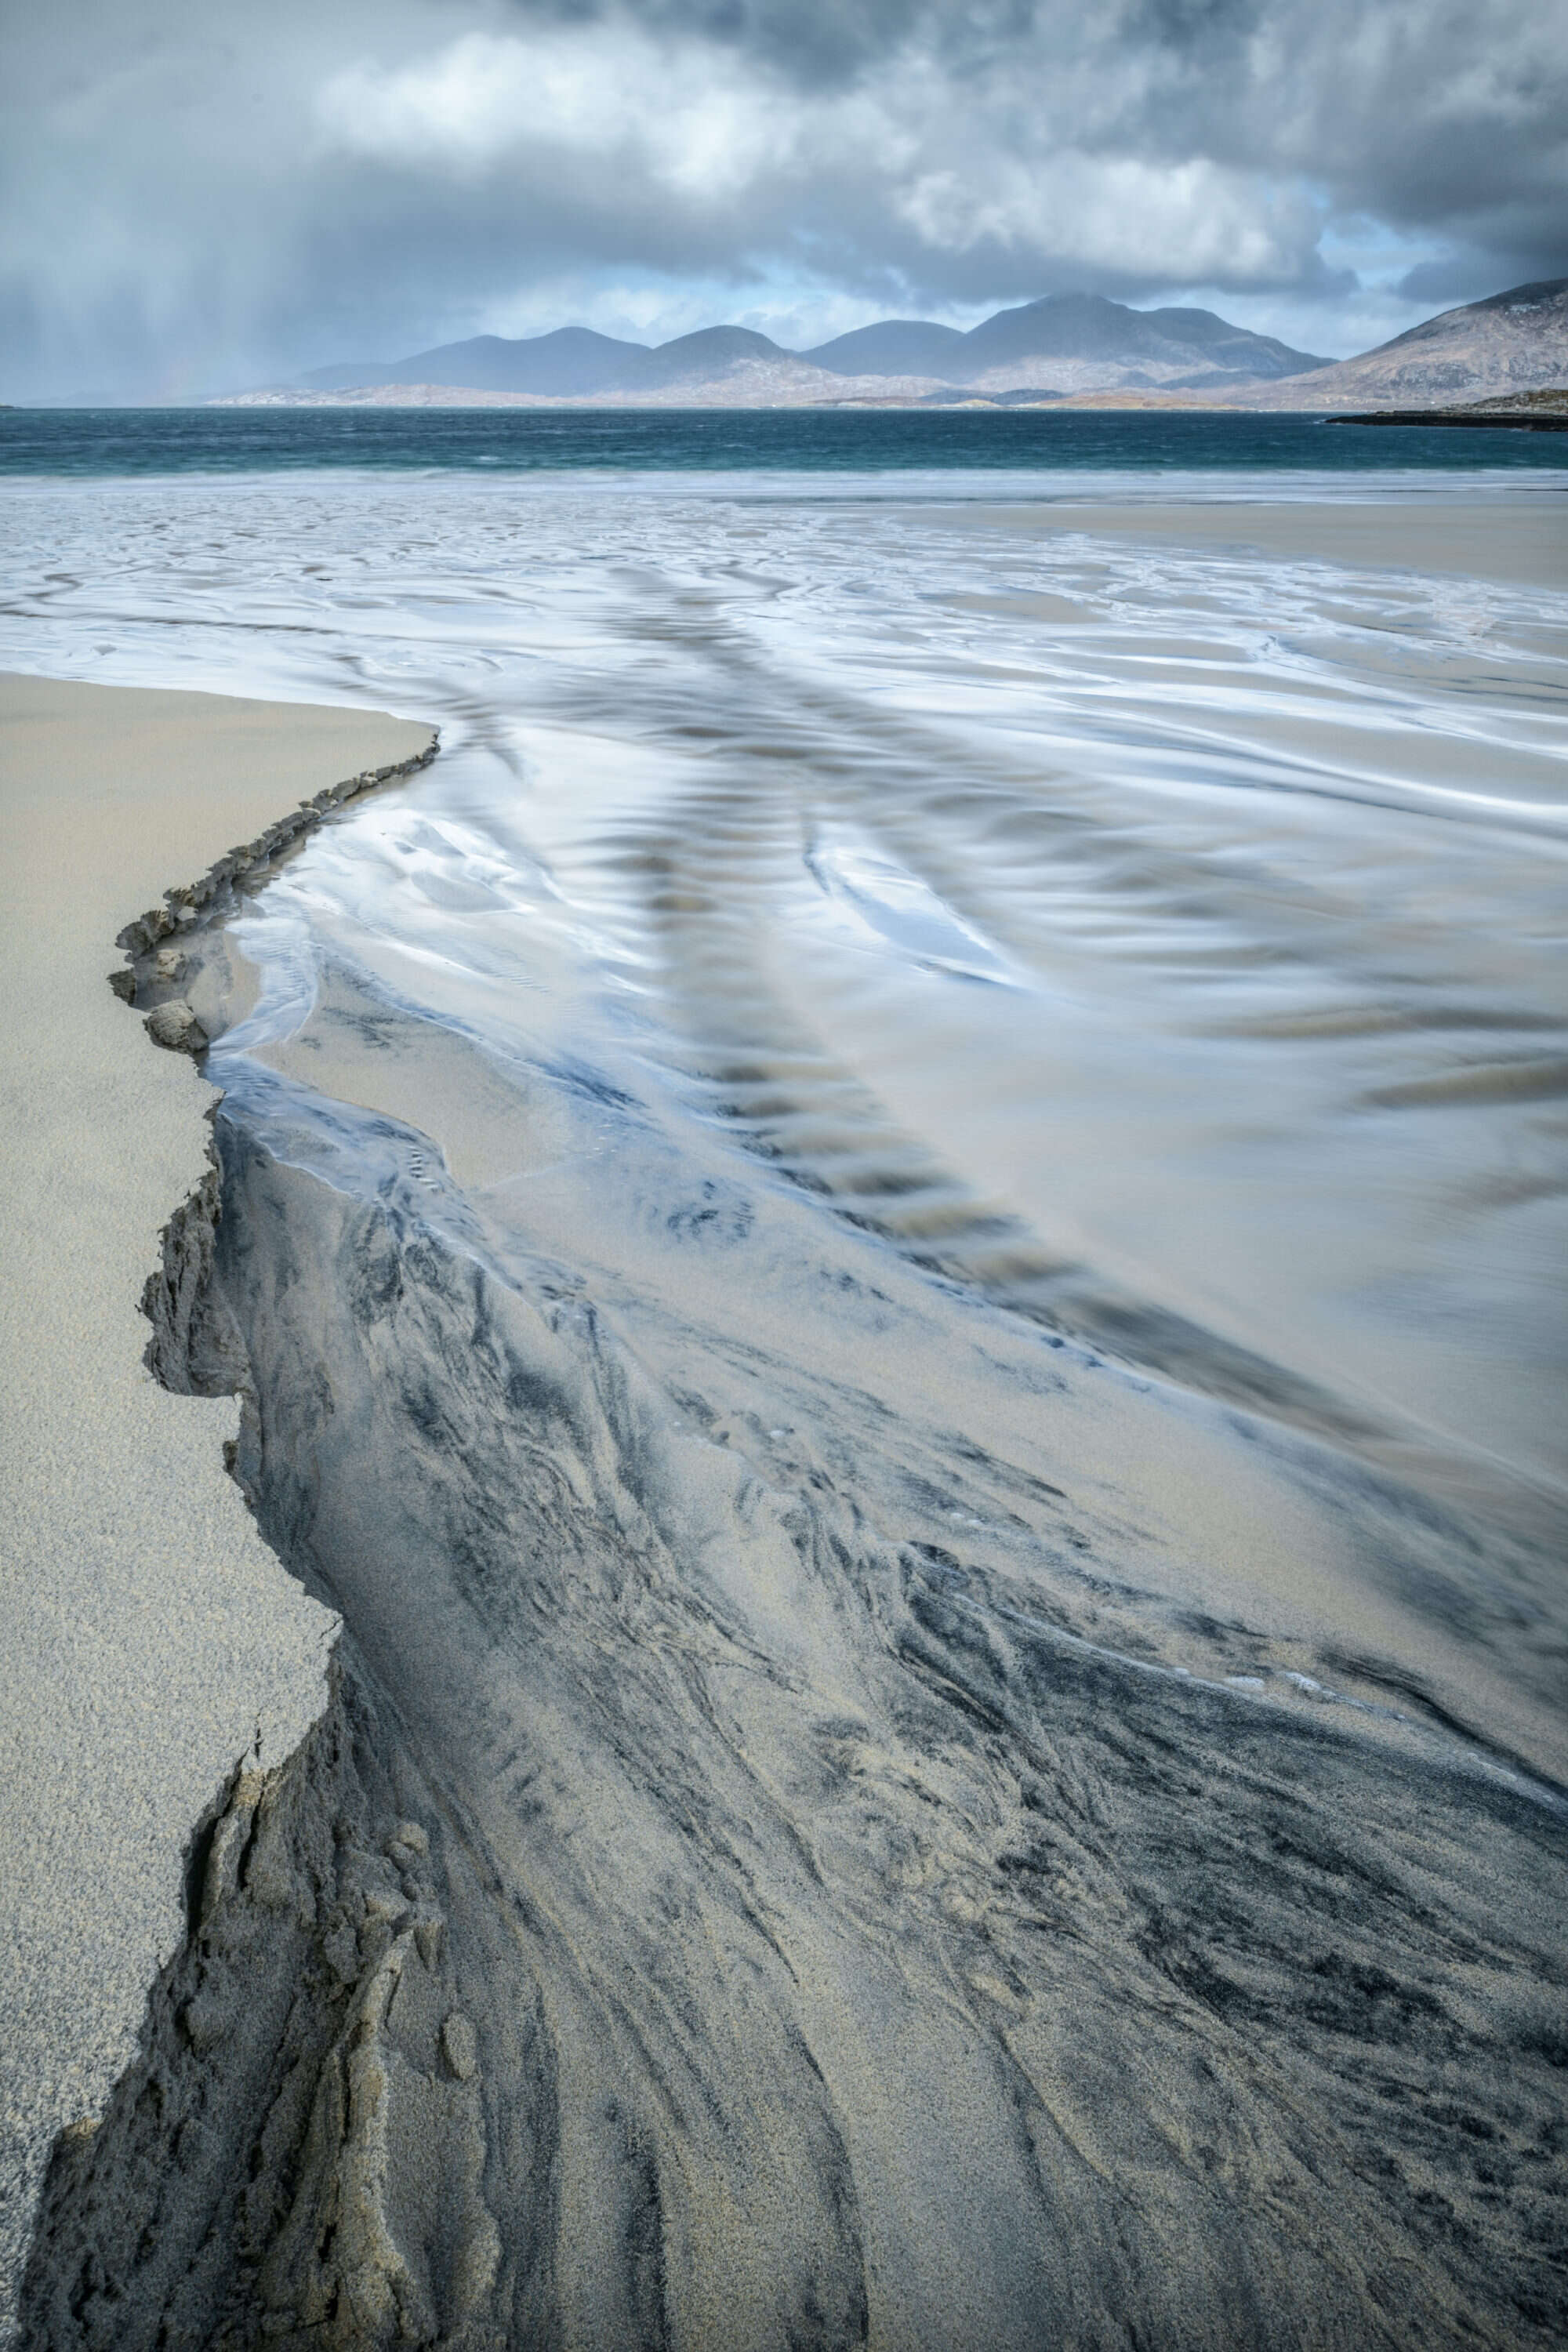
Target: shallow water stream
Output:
[{"x": 899, "y": 1244}]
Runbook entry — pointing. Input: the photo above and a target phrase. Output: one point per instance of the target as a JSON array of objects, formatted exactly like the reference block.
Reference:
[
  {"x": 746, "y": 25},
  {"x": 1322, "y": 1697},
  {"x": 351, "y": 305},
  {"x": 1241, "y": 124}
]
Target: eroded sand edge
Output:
[{"x": 150, "y": 1637}]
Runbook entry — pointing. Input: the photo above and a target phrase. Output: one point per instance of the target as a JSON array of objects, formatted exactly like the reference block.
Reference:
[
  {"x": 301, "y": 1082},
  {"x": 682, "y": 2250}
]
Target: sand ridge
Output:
[{"x": 150, "y": 1638}]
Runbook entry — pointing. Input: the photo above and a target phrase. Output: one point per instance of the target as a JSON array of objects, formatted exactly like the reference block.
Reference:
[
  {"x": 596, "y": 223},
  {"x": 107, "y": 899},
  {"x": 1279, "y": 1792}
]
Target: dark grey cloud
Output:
[{"x": 200, "y": 193}]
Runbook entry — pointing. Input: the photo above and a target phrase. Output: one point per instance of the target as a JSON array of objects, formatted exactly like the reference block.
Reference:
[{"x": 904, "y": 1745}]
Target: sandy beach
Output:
[
  {"x": 150, "y": 1640},
  {"x": 890, "y": 1255},
  {"x": 784, "y": 1459}
]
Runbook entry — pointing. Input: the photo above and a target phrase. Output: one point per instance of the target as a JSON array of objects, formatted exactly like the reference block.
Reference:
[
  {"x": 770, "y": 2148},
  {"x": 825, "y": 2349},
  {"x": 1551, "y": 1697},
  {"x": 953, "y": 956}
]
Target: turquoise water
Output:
[{"x": 109, "y": 441}]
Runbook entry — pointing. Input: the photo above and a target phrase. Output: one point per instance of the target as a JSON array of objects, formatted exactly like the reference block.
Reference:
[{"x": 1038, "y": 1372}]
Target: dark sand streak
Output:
[{"x": 840, "y": 1950}]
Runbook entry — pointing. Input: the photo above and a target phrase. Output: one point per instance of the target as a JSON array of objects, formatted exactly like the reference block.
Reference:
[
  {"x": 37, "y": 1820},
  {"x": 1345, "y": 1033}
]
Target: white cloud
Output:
[
  {"x": 1174, "y": 222},
  {"x": 193, "y": 193},
  {"x": 698, "y": 128},
  {"x": 697, "y": 123}
]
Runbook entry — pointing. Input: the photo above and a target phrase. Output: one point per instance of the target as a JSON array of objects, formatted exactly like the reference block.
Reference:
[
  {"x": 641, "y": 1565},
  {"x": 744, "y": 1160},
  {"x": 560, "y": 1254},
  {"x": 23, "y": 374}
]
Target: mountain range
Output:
[
  {"x": 1180, "y": 348},
  {"x": 1063, "y": 347}
]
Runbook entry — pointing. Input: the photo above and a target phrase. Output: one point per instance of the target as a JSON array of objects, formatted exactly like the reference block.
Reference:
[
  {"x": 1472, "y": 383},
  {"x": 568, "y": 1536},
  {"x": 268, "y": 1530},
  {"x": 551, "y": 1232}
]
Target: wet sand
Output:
[
  {"x": 150, "y": 1638},
  {"x": 791, "y": 1857},
  {"x": 852, "y": 1811},
  {"x": 1461, "y": 537}
]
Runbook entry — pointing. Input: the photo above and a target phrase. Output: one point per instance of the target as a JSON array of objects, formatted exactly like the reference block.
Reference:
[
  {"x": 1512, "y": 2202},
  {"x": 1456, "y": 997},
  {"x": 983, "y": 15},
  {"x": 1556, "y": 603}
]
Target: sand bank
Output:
[
  {"x": 1513, "y": 535},
  {"x": 150, "y": 1637}
]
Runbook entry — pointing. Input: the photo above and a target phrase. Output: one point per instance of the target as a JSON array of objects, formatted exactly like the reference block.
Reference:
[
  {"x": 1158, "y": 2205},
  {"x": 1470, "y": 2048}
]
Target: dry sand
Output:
[{"x": 150, "y": 1638}]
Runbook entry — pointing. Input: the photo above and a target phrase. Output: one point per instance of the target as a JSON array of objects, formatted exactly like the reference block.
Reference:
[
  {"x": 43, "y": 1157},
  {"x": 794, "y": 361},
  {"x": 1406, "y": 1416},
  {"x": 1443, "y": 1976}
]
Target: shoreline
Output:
[
  {"x": 827, "y": 1769},
  {"x": 154, "y": 1640}
]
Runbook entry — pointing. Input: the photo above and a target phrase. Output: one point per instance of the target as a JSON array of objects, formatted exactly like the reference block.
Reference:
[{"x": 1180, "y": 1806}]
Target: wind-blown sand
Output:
[{"x": 150, "y": 1638}]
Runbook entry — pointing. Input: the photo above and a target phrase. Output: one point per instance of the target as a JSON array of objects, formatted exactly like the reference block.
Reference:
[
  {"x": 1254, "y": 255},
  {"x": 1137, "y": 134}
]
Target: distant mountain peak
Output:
[
  {"x": 1542, "y": 294},
  {"x": 1059, "y": 345},
  {"x": 1505, "y": 343},
  {"x": 1545, "y": 298}
]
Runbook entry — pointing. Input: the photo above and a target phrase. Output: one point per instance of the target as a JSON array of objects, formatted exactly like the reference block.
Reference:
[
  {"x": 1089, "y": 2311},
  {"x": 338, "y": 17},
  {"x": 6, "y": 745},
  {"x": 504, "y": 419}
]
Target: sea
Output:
[
  {"x": 903, "y": 1240},
  {"x": 130, "y": 441}
]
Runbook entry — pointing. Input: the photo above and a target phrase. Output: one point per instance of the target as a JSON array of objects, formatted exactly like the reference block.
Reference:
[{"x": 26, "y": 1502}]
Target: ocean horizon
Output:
[{"x": 130, "y": 441}]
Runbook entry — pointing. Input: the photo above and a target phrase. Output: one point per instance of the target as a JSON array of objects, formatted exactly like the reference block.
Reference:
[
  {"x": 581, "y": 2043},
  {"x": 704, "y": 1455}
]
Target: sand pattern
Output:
[
  {"x": 760, "y": 1882},
  {"x": 887, "y": 1780}
]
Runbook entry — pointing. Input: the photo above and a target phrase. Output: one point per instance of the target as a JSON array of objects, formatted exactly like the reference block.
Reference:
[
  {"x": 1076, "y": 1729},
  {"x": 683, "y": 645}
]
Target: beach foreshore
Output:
[
  {"x": 883, "y": 1250},
  {"x": 151, "y": 1639}
]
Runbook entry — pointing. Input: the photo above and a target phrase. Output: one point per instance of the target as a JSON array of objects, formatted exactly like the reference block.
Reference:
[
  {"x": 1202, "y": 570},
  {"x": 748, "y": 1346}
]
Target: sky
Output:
[{"x": 197, "y": 196}]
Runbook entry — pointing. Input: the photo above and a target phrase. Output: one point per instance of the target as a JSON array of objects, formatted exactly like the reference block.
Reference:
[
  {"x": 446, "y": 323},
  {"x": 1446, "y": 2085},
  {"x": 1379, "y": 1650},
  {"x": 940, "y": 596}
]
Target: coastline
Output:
[
  {"x": 152, "y": 1638},
  {"x": 844, "y": 1812}
]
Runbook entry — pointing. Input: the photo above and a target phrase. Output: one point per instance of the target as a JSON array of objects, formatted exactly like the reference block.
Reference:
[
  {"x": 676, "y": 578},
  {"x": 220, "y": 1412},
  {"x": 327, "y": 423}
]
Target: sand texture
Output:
[
  {"x": 749, "y": 1891},
  {"x": 150, "y": 1637},
  {"x": 915, "y": 1757}
]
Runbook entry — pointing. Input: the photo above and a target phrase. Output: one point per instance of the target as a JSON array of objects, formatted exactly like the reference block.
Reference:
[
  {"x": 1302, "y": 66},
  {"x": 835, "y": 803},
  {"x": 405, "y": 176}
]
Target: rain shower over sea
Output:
[{"x": 900, "y": 1243}]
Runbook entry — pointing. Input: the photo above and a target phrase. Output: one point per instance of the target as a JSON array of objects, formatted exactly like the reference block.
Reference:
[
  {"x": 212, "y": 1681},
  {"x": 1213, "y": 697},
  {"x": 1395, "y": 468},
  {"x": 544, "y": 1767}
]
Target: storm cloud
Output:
[{"x": 202, "y": 195}]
